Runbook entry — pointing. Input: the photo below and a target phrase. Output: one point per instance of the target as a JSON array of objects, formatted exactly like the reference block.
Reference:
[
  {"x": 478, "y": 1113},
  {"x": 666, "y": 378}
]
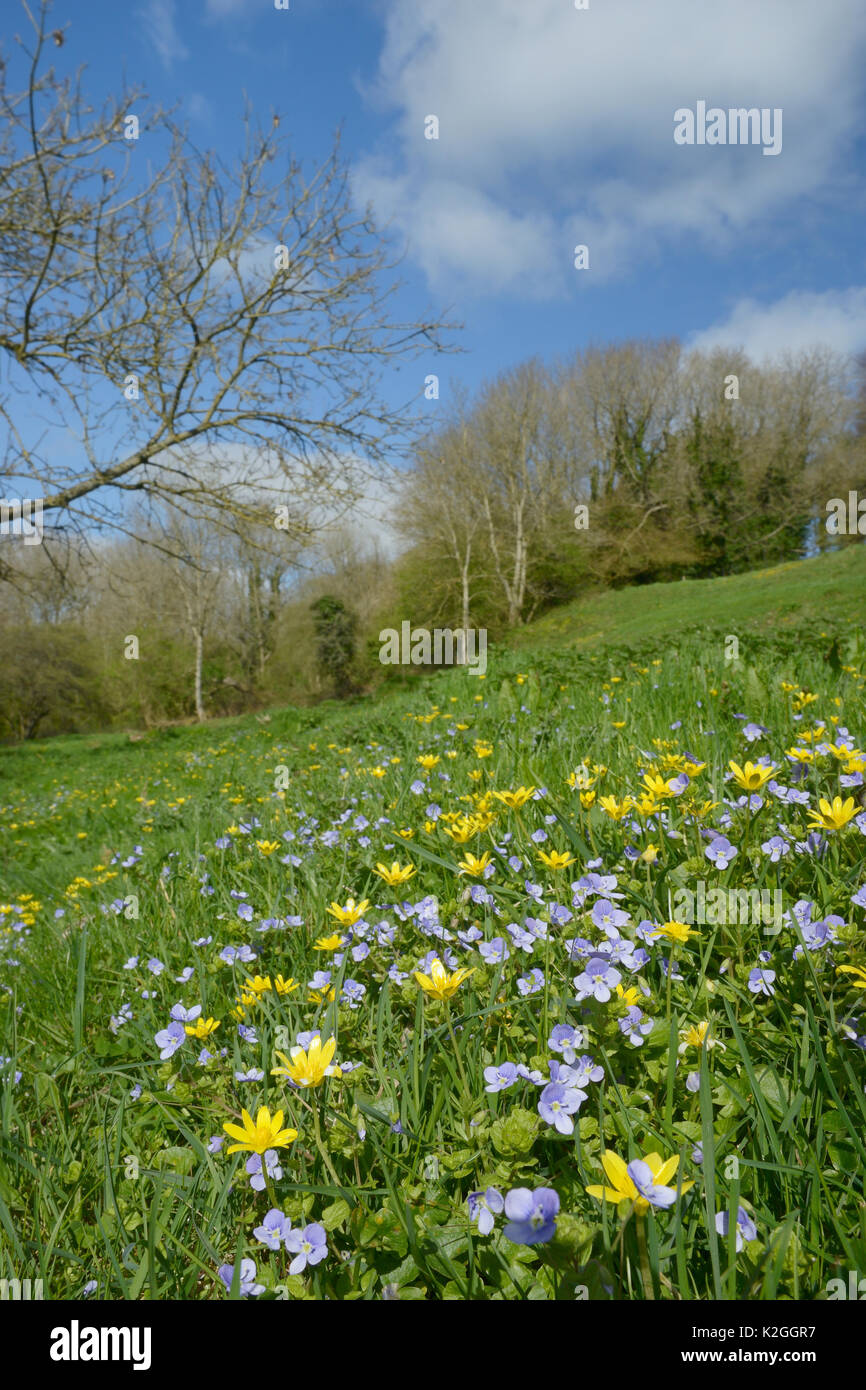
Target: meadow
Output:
[{"x": 387, "y": 999}]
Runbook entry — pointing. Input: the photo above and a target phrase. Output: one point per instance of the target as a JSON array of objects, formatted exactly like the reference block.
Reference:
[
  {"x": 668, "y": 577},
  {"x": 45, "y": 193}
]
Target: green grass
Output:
[{"x": 98, "y": 1186}]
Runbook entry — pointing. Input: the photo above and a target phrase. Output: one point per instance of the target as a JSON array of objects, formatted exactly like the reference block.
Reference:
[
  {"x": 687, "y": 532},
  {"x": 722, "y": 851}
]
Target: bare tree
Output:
[{"x": 210, "y": 333}]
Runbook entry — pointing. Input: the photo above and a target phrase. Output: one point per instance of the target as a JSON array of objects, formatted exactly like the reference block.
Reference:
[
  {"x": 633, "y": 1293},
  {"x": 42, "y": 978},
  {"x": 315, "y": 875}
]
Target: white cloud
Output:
[
  {"x": 802, "y": 319},
  {"x": 158, "y": 18},
  {"x": 556, "y": 126}
]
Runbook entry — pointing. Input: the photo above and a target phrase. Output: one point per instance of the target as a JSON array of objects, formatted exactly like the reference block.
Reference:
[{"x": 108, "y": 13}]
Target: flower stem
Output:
[
  {"x": 320, "y": 1145},
  {"x": 645, "y": 1271},
  {"x": 466, "y": 1090}
]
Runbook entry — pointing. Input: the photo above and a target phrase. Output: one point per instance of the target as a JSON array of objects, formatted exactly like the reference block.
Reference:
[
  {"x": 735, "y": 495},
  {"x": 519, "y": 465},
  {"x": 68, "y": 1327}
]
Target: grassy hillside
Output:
[{"x": 551, "y": 823}]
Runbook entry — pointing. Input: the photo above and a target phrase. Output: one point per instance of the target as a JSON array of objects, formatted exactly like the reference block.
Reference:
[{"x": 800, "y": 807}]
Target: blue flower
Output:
[
  {"x": 273, "y": 1229},
  {"x": 248, "y": 1285},
  {"x": 501, "y": 1077},
  {"x": 310, "y": 1246},
  {"x": 484, "y": 1207},
  {"x": 557, "y": 1103},
  {"x": 531, "y": 1215},
  {"x": 720, "y": 852},
  {"x": 272, "y": 1168},
  {"x": 746, "y": 1228},
  {"x": 761, "y": 981},
  {"x": 169, "y": 1040}
]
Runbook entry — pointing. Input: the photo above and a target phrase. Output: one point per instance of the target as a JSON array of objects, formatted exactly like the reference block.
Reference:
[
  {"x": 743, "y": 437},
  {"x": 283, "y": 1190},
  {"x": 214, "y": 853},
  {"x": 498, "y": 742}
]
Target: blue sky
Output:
[{"x": 555, "y": 128}]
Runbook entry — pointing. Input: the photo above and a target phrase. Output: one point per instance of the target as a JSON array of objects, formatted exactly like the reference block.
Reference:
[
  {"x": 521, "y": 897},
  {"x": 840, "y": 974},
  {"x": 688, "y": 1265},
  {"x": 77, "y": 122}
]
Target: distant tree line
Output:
[{"x": 668, "y": 467}]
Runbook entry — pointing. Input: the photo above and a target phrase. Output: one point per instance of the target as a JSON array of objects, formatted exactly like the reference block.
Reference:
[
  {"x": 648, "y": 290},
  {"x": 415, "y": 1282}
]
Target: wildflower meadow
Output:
[{"x": 390, "y": 1001}]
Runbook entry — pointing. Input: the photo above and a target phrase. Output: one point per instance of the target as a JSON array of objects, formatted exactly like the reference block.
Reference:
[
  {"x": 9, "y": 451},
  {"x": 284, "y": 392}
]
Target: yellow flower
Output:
[
  {"x": 515, "y": 799},
  {"x": 267, "y": 846},
  {"x": 853, "y": 970},
  {"x": 587, "y": 799},
  {"x": 650, "y": 854},
  {"x": 475, "y": 867},
  {"x": 628, "y": 996},
  {"x": 615, "y": 809},
  {"x": 751, "y": 777},
  {"x": 461, "y": 831},
  {"x": 259, "y": 985},
  {"x": 311, "y": 1067},
  {"x": 623, "y": 1189},
  {"x": 395, "y": 874},
  {"x": 285, "y": 986},
  {"x": 656, "y": 786},
  {"x": 329, "y": 943},
  {"x": 835, "y": 816},
  {"x": 321, "y": 996},
  {"x": 439, "y": 984},
  {"x": 265, "y": 1133},
  {"x": 350, "y": 914},
  {"x": 428, "y": 761},
  {"x": 674, "y": 931},
  {"x": 696, "y": 1036},
  {"x": 202, "y": 1028},
  {"x": 556, "y": 860}
]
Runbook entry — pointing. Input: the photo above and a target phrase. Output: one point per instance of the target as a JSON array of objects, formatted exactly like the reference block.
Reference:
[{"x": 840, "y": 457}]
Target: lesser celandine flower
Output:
[
  {"x": 329, "y": 943},
  {"x": 475, "y": 867},
  {"x": 285, "y": 986},
  {"x": 514, "y": 800},
  {"x": 556, "y": 860},
  {"x": 835, "y": 815},
  {"x": 266, "y": 1132},
  {"x": 311, "y": 1067},
  {"x": 674, "y": 931},
  {"x": 350, "y": 914},
  {"x": 697, "y": 1036},
  {"x": 751, "y": 777},
  {"x": 202, "y": 1028},
  {"x": 439, "y": 984},
  {"x": 859, "y": 981},
  {"x": 395, "y": 875},
  {"x": 642, "y": 1182}
]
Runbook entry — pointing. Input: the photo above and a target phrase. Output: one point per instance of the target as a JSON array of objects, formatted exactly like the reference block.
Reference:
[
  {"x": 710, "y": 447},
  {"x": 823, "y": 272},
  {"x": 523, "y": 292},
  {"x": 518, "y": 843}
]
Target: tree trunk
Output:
[{"x": 199, "y": 654}]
